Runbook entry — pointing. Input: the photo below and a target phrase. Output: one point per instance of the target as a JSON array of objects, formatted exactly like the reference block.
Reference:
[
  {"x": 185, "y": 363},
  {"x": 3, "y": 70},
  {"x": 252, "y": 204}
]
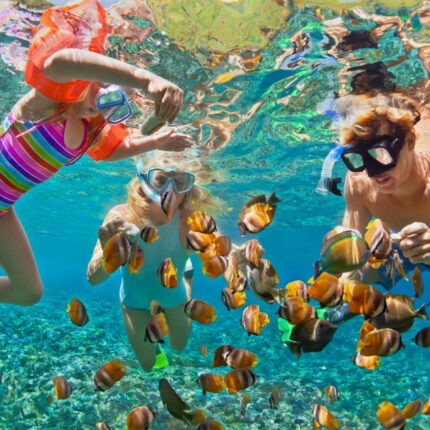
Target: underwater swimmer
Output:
[
  {"x": 72, "y": 109},
  {"x": 158, "y": 177}
]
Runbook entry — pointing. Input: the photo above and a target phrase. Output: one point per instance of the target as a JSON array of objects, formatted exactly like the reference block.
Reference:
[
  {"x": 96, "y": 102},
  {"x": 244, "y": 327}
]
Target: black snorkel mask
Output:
[{"x": 376, "y": 156}]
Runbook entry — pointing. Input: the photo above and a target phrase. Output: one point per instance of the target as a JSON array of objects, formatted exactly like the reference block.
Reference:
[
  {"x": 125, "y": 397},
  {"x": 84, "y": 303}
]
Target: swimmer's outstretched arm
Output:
[{"x": 74, "y": 64}]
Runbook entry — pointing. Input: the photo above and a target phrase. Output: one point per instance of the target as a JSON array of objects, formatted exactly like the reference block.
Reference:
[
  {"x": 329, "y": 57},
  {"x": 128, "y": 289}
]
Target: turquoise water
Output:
[{"x": 270, "y": 138}]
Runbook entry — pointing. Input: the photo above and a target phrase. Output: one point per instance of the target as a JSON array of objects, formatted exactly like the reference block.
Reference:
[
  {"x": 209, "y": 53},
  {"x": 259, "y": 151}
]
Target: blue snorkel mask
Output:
[
  {"x": 326, "y": 182},
  {"x": 113, "y": 103}
]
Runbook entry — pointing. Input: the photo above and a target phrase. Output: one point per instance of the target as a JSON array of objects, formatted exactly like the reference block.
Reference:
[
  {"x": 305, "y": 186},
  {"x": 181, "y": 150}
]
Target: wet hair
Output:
[{"x": 361, "y": 115}]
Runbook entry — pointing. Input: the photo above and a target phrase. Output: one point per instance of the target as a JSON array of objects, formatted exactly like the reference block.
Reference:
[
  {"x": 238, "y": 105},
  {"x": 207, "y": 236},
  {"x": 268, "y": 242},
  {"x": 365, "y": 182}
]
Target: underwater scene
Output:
[{"x": 259, "y": 78}]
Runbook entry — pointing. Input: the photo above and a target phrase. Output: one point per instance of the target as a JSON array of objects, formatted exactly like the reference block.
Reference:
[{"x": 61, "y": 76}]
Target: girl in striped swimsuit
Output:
[{"x": 42, "y": 134}]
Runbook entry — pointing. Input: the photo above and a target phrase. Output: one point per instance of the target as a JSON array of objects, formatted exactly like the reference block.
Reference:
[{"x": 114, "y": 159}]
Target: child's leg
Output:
[
  {"x": 23, "y": 285},
  {"x": 179, "y": 327},
  {"x": 135, "y": 322}
]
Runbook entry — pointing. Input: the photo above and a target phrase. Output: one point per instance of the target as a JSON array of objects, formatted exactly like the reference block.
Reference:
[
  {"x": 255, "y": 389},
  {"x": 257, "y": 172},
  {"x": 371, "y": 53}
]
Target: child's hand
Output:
[
  {"x": 109, "y": 229},
  {"x": 167, "y": 97},
  {"x": 170, "y": 140}
]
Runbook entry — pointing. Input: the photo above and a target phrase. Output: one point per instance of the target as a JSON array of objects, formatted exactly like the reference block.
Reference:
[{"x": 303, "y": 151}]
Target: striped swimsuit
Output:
[{"x": 31, "y": 158}]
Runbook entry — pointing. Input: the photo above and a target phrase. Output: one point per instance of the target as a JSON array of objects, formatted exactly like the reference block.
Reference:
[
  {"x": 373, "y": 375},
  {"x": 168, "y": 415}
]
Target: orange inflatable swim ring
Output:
[{"x": 79, "y": 25}]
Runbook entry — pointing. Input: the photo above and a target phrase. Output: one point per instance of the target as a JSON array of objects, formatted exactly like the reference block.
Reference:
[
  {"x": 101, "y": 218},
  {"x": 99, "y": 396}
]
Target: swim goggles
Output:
[
  {"x": 161, "y": 180},
  {"x": 113, "y": 104},
  {"x": 375, "y": 156}
]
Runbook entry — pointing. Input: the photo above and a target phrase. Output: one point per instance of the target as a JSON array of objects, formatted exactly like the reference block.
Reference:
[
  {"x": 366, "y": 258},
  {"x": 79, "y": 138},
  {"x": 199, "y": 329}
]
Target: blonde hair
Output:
[
  {"x": 360, "y": 116},
  {"x": 198, "y": 198}
]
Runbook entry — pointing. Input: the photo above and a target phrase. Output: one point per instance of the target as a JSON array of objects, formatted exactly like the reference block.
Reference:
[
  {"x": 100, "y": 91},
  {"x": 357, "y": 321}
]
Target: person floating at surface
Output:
[
  {"x": 158, "y": 175},
  {"x": 76, "y": 106}
]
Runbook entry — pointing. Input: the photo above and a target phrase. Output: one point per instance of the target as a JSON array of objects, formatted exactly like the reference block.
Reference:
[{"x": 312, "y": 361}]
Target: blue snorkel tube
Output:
[
  {"x": 327, "y": 183},
  {"x": 146, "y": 188}
]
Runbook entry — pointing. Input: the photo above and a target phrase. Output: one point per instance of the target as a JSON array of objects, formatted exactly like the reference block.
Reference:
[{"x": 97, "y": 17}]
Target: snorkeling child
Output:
[
  {"x": 160, "y": 178},
  {"x": 76, "y": 106}
]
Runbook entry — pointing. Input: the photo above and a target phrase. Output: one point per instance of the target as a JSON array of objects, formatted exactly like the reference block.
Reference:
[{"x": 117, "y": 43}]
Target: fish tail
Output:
[
  {"x": 317, "y": 269},
  {"x": 422, "y": 312},
  {"x": 273, "y": 199},
  {"x": 214, "y": 318}
]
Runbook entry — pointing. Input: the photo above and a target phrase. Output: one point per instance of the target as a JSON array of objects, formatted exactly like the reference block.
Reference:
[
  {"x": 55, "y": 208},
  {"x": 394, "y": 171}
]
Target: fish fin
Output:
[
  {"x": 421, "y": 311},
  {"x": 214, "y": 318},
  {"x": 68, "y": 307},
  {"x": 294, "y": 347},
  {"x": 273, "y": 199}
]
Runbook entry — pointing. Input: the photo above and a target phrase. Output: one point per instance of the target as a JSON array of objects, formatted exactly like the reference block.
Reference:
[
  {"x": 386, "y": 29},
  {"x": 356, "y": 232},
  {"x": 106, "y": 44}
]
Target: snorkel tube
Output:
[
  {"x": 326, "y": 182},
  {"x": 146, "y": 188}
]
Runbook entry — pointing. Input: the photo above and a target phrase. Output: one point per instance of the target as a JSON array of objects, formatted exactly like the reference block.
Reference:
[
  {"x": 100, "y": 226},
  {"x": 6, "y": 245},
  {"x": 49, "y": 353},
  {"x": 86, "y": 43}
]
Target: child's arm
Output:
[{"x": 76, "y": 64}]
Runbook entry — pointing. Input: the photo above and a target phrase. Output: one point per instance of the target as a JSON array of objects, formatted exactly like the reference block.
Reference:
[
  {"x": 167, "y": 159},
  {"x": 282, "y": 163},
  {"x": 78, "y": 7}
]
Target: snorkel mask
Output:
[{"x": 113, "y": 103}]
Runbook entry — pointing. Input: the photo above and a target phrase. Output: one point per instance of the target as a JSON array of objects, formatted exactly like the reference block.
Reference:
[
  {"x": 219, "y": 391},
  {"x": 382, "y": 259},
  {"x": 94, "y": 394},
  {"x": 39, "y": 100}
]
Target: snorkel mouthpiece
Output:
[{"x": 326, "y": 182}]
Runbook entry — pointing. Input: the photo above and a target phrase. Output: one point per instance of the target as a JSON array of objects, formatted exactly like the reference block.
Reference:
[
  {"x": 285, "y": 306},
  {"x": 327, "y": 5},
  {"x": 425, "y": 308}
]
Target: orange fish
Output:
[
  {"x": 140, "y": 418},
  {"x": 77, "y": 312},
  {"x": 323, "y": 417},
  {"x": 166, "y": 273},
  {"x": 200, "y": 311},
  {"x": 263, "y": 280},
  {"x": 231, "y": 299},
  {"x": 222, "y": 245},
  {"x": 257, "y": 214},
  {"x": 426, "y": 408},
  {"x": 201, "y": 222},
  {"x": 62, "y": 388},
  {"x": 332, "y": 393},
  {"x": 417, "y": 280},
  {"x": 382, "y": 342},
  {"x": 253, "y": 252},
  {"x": 176, "y": 406},
  {"x": 155, "y": 308},
  {"x": 378, "y": 238},
  {"x": 412, "y": 409},
  {"x": 390, "y": 417},
  {"x": 274, "y": 398},
  {"x": 108, "y": 374},
  {"x": 136, "y": 259},
  {"x": 422, "y": 338},
  {"x": 149, "y": 234},
  {"x": 364, "y": 299},
  {"x": 220, "y": 354},
  {"x": 239, "y": 379},
  {"x": 297, "y": 288},
  {"x": 243, "y": 404},
  {"x": 295, "y": 310},
  {"x": 252, "y": 320},
  {"x": 210, "y": 425},
  {"x": 236, "y": 279},
  {"x": 102, "y": 426},
  {"x": 241, "y": 358},
  {"x": 210, "y": 382},
  {"x": 116, "y": 252},
  {"x": 156, "y": 329},
  {"x": 327, "y": 289},
  {"x": 214, "y": 266},
  {"x": 204, "y": 350},
  {"x": 370, "y": 362},
  {"x": 199, "y": 241}
]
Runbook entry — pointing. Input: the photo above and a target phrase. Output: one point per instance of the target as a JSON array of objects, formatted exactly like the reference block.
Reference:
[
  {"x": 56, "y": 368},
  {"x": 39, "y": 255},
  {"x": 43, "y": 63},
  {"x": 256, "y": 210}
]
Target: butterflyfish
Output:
[
  {"x": 167, "y": 273},
  {"x": 77, "y": 312},
  {"x": 296, "y": 288},
  {"x": 168, "y": 200},
  {"x": 156, "y": 329},
  {"x": 199, "y": 241},
  {"x": 390, "y": 417},
  {"x": 365, "y": 329},
  {"x": 378, "y": 238},
  {"x": 400, "y": 313},
  {"x": 140, "y": 418},
  {"x": 263, "y": 280},
  {"x": 412, "y": 409},
  {"x": 332, "y": 393},
  {"x": 62, "y": 388},
  {"x": 426, "y": 408},
  {"x": 116, "y": 252},
  {"x": 239, "y": 358},
  {"x": 220, "y": 354},
  {"x": 155, "y": 308},
  {"x": 102, "y": 426},
  {"x": 417, "y": 280},
  {"x": 232, "y": 299},
  {"x": 176, "y": 406},
  {"x": 252, "y": 320},
  {"x": 326, "y": 289},
  {"x": 108, "y": 374},
  {"x": 394, "y": 265},
  {"x": 149, "y": 234},
  {"x": 370, "y": 362},
  {"x": 312, "y": 335},
  {"x": 236, "y": 279},
  {"x": 257, "y": 214},
  {"x": 295, "y": 310},
  {"x": 204, "y": 350},
  {"x": 201, "y": 222},
  {"x": 343, "y": 251},
  {"x": 239, "y": 379},
  {"x": 214, "y": 266},
  {"x": 253, "y": 252},
  {"x": 136, "y": 259},
  {"x": 422, "y": 338},
  {"x": 274, "y": 398},
  {"x": 324, "y": 418},
  {"x": 200, "y": 311},
  {"x": 382, "y": 342},
  {"x": 210, "y": 425},
  {"x": 364, "y": 299},
  {"x": 221, "y": 245},
  {"x": 211, "y": 382},
  {"x": 244, "y": 401}
]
